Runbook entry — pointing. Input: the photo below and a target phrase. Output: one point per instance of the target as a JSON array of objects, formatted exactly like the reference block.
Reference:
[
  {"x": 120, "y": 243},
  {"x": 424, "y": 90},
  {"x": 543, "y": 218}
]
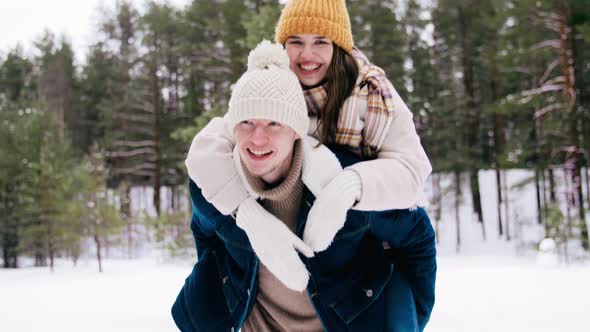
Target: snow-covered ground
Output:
[
  {"x": 493, "y": 285},
  {"x": 474, "y": 293}
]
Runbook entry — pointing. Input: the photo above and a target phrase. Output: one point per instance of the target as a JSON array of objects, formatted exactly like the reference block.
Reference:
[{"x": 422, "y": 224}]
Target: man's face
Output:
[{"x": 266, "y": 148}]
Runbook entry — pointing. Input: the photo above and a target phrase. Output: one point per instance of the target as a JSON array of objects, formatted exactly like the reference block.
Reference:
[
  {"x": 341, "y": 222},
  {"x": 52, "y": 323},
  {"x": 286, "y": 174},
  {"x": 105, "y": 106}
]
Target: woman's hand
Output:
[{"x": 328, "y": 213}]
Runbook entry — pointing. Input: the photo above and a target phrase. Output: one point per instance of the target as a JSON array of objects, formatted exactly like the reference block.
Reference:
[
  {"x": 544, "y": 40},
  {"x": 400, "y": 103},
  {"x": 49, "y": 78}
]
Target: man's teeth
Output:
[
  {"x": 260, "y": 153},
  {"x": 310, "y": 67}
]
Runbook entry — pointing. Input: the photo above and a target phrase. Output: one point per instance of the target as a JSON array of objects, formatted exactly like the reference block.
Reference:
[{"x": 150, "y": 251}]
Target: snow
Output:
[
  {"x": 494, "y": 285},
  {"x": 133, "y": 295},
  {"x": 505, "y": 294},
  {"x": 474, "y": 293}
]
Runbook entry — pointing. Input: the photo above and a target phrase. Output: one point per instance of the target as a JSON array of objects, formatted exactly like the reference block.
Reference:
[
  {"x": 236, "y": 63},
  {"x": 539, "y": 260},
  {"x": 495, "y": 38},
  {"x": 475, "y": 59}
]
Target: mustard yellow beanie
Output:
[{"x": 328, "y": 18}]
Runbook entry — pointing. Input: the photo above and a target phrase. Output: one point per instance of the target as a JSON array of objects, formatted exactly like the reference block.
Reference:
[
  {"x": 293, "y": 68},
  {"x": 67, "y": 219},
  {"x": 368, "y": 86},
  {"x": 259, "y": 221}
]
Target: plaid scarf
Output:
[{"x": 372, "y": 92}]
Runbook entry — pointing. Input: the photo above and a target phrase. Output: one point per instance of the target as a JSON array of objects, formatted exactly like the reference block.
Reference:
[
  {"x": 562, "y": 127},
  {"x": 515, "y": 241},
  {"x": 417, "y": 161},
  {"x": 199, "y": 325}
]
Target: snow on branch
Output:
[
  {"x": 125, "y": 154},
  {"x": 543, "y": 89},
  {"x": 143, "y": 169},
  {"x": 131, "y": 117},
  {"x": 134, "y": 144},
  {"x": 555, "y": 43},
  {"x": 548, "y": 109},
  {"x": 547, "y": 72}
]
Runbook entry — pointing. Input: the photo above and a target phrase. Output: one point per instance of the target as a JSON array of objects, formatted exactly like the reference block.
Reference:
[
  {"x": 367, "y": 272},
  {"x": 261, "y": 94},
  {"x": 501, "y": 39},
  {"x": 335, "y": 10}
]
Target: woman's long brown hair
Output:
[{"x": 341, "y": 79}]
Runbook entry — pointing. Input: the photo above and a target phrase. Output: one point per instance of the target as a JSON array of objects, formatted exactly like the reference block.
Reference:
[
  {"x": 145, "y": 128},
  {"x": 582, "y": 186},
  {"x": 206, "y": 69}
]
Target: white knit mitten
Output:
[
  {"x": 328, "y": 213},
  {"x": 275, "y": 244}
]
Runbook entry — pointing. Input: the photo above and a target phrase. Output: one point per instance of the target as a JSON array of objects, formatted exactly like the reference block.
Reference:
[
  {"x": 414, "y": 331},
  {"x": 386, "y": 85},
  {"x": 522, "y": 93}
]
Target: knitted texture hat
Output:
[
  {"x": 328, "y": 18},
  {"x": 269, "y": 90}
]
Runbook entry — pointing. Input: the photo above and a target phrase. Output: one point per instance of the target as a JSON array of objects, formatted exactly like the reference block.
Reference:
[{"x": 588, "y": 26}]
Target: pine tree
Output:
[
  {"x": 379, "y": 34},
  {"x": 19, "y": 148}
]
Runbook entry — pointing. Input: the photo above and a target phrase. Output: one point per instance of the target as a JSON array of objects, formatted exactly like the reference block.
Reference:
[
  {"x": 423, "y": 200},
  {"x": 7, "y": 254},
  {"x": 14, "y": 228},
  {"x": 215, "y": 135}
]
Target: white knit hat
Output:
[{"x": 269, "y": 90}]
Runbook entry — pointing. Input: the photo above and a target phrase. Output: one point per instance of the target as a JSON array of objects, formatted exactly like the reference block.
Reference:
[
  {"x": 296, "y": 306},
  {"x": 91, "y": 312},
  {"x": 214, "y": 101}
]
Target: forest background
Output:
[{"x": 494, "y": 86}]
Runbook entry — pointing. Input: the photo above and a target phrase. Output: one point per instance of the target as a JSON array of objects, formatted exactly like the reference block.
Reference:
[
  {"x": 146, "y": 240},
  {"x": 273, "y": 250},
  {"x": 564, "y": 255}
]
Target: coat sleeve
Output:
[
  {"x": 203, "y": 221},
  {"x": 412, "y": 239},
  {"x": 395, "y": 180},
  {"x": 210, "y": 165},
  {"x": 191, "y": 308}
]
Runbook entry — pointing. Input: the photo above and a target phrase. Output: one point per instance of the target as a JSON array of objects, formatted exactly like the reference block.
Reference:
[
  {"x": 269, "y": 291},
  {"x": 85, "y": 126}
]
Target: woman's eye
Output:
[
  {"x": 294, "y": 42},
  {"x": 274, "y": 124}
]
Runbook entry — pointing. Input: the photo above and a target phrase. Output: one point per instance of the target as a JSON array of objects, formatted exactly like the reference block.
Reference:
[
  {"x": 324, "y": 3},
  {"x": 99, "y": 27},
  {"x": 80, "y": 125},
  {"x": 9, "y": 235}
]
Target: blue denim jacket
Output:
[{"x": 353, "y": 286}]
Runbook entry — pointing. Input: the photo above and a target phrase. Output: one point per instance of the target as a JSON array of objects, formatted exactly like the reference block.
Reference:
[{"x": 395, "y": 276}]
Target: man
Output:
[{"x": 249, "y": 275}]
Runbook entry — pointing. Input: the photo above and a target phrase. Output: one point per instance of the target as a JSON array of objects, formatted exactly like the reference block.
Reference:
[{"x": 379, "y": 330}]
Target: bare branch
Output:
[
  {"x": 543, "y": 89},
  {"x": 145, "y": 168},
  {"x": 555, "y": 80},
  {"x": 555, "y": 43},
  {"x": 550, "y": 68},
  {"x": 547, "y": 109},
  {"x": 523, "y": 70},
  {"x": 134, "y": 144},
  {"x": 125, "y": 154},
  {"x": 132, "y": 117}
]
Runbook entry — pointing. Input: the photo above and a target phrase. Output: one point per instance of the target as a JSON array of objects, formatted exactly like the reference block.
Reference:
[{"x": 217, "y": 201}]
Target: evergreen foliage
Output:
[{"x": 495, "y": 84}]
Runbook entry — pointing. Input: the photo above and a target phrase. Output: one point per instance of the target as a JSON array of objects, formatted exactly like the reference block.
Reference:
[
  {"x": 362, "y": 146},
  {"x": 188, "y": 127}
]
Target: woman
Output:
[{"x": 351, "y": 104}]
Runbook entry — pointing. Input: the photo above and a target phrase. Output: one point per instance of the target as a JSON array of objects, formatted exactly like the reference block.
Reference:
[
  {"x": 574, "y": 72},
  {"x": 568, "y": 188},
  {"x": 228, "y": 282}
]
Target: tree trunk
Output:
[
  {"x": 437, "y": 200},
  {"x": 552, "y": 196},
  {"x": 499, "y": 191},
  {"x": 40, "y": 254},
  {"x": 499, "y": 140},
  {"x": 457, "y": 208},
  {"x": 476, "y": 197},
  {"x": 472, "y": 117},
  {"x": 538, "y": 196},
  {"x": 50, "y": 247},
  {"x": 155, "y": 107},
  {"x": 506, "y": 206},
  {"x": 545, "y": 204},
  {"x": 567, "y": 53},
  {"x": 9, "y": 246},
  {"x": 126, "y": 212},
  {"x": 588, "y": 184},
  {"x": 98, "y": 248},
  {"x": 568, "y": 219}
]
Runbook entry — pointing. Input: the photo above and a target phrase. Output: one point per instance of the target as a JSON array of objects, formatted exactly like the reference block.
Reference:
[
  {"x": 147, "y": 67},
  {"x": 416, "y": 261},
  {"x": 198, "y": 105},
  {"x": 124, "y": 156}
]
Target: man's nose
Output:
[{"x": 259, "y": 136}]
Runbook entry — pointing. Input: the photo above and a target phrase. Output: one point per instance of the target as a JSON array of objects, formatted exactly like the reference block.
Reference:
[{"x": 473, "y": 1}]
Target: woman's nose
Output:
[{"x": 306, "y": 52}]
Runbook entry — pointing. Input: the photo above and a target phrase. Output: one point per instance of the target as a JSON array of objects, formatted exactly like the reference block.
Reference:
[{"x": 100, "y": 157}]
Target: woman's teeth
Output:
[{"x": 309, "y": 67}]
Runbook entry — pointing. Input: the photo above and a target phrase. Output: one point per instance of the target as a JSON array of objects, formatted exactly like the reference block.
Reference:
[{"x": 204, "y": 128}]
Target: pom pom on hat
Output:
[
  {"x": 267, "y": 54},
  {"x": 269, "y": 90}
]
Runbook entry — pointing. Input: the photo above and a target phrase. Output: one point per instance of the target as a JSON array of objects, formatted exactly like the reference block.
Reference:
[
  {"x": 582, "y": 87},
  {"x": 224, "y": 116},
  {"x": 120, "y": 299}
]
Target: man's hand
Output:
[
  {"x": 328, "y": 213},
  {"x": 275, "y": 244}
]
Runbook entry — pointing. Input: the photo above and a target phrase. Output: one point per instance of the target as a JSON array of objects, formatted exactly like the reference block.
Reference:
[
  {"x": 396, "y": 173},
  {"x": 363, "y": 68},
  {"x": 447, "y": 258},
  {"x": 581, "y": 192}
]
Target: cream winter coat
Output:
[{"x": 395, "y": 180}]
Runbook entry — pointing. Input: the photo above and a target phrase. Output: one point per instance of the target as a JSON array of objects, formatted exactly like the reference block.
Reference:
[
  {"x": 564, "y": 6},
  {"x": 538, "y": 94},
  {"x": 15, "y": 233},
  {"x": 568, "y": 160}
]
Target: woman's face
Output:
[{"x": 310, "y": 56}]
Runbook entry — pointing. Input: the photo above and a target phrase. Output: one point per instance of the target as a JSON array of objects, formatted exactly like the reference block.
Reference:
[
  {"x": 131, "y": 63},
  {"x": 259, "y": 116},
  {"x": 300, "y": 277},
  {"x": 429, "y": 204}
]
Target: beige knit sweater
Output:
[{"x": 278, "y": 308}]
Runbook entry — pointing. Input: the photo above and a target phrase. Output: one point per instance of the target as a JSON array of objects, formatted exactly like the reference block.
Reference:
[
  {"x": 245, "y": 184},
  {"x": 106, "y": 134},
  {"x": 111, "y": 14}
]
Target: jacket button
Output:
[
  {"x": 224, "y": 280},
  {"x": 248, "y": 292},
  {"x": 369, "y": 292},
  {"x": 232, "y": 329}
]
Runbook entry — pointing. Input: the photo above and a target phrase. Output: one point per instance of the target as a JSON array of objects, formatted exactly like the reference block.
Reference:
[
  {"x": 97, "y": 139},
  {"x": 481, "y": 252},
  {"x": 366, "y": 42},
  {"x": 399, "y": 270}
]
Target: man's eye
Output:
[
  {"x": 274, "y": 123},
  {"x": 321, "y": 42},
  {"x": 294, "y": 42}
]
